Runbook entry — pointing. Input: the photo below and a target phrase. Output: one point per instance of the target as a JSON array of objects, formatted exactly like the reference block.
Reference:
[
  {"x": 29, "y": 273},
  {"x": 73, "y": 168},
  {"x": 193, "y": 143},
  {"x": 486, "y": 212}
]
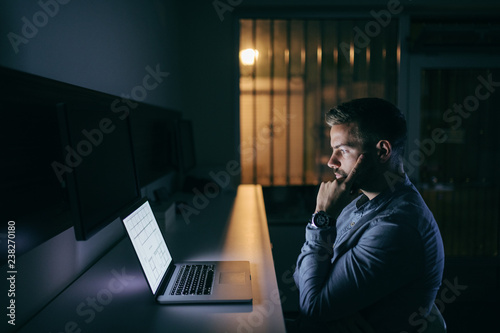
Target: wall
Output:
[
  {"x": 209, "y": 81},
  {"x": 101, "y": 45}
]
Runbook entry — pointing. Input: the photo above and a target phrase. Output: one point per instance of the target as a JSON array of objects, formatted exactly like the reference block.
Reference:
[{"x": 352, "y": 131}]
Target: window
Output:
[
  {"x": 291, "y": 73},
  {"x": 459, "y": 179}
]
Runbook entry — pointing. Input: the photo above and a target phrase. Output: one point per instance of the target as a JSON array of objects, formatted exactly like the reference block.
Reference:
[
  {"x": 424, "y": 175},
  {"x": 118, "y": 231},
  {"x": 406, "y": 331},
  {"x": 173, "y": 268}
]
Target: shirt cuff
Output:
[{"x": 323, "y": 236}]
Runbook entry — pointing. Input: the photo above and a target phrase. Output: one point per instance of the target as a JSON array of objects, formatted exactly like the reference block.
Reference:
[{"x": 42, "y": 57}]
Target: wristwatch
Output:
[{"x": 321, "y": 219}]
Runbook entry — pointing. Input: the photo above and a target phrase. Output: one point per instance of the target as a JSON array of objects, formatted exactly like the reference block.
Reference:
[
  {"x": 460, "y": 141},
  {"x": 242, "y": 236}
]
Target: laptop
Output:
[{"x": 182, "y": 282}]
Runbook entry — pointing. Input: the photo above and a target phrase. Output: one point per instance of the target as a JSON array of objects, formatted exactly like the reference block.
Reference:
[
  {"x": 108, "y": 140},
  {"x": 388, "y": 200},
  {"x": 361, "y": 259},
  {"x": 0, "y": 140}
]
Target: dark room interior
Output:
[{"x": 214, "y": 111}]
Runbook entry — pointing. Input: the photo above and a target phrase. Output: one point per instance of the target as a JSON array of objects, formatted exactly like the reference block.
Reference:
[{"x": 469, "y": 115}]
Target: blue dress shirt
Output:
[{"x": 384, "y": 259}]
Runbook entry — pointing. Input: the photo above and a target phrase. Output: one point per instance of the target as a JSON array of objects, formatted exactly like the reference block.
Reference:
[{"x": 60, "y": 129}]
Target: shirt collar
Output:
[{"x": 364, "y": 203}]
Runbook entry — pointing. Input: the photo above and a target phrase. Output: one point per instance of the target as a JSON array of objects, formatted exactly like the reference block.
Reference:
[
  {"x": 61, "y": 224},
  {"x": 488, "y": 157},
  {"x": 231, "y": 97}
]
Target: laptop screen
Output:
[{"x": 148, "y": 243}]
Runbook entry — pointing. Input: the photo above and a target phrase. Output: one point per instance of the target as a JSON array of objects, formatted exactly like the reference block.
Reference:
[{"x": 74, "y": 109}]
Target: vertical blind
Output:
[{"x": 291, "y": 73}]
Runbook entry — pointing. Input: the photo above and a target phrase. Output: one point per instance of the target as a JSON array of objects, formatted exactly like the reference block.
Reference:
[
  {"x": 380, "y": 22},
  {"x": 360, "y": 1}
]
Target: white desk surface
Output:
[{"x": 113, "y": 295}]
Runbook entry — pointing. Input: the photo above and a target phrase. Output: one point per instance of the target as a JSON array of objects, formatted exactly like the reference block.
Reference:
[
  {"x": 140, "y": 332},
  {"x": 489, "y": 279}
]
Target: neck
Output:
[{"x": 379, "y": 182}]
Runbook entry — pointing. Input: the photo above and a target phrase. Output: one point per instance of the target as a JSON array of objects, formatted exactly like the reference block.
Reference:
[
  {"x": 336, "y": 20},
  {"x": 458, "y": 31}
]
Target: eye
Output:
[{"x": 339, "y": 151}]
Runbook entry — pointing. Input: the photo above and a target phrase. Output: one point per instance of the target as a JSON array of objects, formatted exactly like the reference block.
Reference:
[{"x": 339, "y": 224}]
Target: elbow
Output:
[
  {"x": 312, "y": 307},
  {"x": 320, "y": 307}
]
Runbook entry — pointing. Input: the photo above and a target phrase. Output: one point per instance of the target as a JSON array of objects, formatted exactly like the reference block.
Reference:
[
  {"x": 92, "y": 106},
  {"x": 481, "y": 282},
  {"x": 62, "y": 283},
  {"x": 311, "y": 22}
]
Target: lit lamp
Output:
[{"x": 248, "y": 57}]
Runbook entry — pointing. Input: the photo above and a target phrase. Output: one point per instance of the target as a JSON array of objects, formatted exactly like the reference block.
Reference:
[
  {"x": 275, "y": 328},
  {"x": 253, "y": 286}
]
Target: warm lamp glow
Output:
[{"x": 249, "y": 56}]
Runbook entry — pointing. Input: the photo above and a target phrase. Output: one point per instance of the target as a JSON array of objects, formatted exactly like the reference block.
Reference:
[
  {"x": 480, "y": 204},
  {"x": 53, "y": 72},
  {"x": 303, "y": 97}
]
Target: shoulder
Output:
[
  {"x": 407, "y": 207},
  {"x": 404, "y": 211}
]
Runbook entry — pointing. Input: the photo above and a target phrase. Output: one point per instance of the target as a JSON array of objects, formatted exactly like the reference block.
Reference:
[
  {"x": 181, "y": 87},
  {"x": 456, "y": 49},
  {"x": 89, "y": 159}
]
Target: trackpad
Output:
[{"x": 232, "y": 278}]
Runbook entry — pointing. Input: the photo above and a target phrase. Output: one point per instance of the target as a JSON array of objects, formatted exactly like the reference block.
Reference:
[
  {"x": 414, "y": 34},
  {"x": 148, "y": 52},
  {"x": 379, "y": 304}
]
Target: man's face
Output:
[{"x": 346, "y": 148}]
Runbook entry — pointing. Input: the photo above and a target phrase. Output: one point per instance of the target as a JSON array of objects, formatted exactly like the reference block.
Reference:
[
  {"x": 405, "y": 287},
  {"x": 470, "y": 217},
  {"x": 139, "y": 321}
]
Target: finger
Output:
[{"x": 352, "y": 175}]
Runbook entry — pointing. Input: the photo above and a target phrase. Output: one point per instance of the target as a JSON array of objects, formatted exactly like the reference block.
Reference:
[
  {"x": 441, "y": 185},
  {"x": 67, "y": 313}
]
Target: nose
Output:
[{"x": 333, "y": 162}]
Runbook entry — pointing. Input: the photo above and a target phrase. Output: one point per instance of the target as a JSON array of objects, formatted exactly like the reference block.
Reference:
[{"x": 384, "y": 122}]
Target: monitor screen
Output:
[
  {"x": 148, "y": 242},
  {"x": 98, "y": 164},
  {"x": 32, "y": 196}
]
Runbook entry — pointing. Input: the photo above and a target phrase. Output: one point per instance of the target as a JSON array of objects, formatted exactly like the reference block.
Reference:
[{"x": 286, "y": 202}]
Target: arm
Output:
[
  {"x": 313, "y": 264},
  {"x": 313, "y": 267},
  {"x": 385, "y": 258}
]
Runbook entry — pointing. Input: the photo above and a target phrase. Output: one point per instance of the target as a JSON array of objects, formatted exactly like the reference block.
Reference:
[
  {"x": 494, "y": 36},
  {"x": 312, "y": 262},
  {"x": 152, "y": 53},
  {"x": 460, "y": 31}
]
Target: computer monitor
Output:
[
  {"x": 98, "y": 167},
  {"x": 154, "y": 142},
  {"x": 31, "y": 194}
]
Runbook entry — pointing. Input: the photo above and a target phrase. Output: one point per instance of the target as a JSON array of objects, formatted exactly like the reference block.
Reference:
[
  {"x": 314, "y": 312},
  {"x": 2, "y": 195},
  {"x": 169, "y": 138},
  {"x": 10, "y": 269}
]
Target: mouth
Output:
[{"x": 339, "y": 175}]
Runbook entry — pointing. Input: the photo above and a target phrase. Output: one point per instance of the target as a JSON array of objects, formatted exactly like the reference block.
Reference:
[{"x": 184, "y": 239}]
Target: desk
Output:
[{"x": 113, "y": 295}]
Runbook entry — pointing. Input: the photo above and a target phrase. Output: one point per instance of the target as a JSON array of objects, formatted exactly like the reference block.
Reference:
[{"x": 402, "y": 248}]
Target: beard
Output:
[{"x": 363, "y": 181}]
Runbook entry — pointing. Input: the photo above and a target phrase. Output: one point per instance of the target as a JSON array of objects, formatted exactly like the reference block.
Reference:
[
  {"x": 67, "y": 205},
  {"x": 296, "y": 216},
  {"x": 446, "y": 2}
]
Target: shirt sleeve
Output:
[{"x": 386, "y": 257}]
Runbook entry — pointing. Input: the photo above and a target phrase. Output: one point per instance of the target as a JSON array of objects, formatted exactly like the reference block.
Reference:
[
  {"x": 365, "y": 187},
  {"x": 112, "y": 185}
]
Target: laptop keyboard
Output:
[{"x": 194, "y": 280}]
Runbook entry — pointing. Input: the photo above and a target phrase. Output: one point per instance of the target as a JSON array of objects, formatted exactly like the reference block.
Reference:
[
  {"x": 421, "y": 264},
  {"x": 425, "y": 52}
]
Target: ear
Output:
[{"x": 384, "y": 151}]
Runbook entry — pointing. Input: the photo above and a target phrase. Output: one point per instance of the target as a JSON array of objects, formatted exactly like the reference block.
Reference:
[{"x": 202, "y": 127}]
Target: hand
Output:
[
  {"x": 352, "y": 324},
  {"x": 333, "y": 196}
]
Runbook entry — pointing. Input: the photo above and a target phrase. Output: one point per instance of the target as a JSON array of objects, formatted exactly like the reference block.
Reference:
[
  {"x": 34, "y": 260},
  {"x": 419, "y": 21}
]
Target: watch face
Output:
[{"x": 320, "y": 219}]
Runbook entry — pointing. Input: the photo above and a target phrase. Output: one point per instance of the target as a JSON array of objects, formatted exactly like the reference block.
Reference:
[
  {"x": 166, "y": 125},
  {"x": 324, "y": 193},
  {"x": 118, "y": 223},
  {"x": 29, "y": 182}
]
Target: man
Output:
[{"x": 376, "y": 260}]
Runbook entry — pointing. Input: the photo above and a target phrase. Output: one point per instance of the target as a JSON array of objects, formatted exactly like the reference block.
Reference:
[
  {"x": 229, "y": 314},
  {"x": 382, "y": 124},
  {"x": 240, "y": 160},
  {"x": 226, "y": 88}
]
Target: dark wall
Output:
[{"x": 100, "y": 45}]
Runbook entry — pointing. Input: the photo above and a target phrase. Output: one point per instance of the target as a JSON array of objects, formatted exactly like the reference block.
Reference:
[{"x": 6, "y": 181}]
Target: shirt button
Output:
[{"x": 353, "y": 223}]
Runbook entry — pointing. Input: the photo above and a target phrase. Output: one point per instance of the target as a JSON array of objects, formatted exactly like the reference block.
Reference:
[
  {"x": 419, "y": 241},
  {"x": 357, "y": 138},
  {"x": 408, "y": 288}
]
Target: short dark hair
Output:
[{"x": 377, "y": 119}]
